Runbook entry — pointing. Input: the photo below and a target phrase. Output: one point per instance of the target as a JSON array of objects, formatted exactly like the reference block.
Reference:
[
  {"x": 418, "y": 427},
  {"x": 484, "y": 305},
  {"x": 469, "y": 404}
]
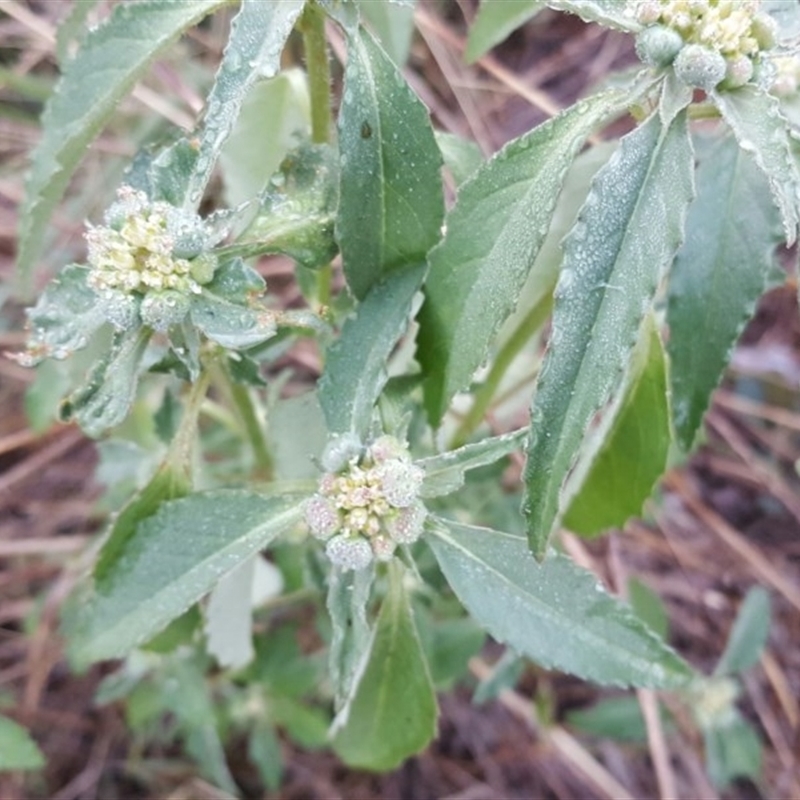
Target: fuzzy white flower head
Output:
[
  {"x": 135, "y": 252},
  {"x": 368, "y": 498},
  {"x": 726, "y": 38}
]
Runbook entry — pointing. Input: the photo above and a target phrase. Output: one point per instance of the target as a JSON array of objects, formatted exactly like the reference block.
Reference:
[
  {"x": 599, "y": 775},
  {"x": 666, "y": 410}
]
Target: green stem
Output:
[
  {"x": 242, "y": 402},
  {"x": 485, "y": 393},
  {"x": 312, "y": 26},
  {"x": 180, "y": 449}
]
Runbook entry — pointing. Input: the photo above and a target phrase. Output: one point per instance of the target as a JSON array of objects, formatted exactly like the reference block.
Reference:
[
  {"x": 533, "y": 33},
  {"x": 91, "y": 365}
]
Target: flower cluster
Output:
[
  {"x": 367, "y": 502},
  {"x": 147, "y": 258},
  {"x": 707, "y": 41},
  {"x": 786, "y": 80}
]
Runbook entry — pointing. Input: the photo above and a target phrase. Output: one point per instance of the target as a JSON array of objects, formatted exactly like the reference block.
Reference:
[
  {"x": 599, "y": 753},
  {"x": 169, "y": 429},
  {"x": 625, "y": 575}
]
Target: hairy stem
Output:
[{"x": 312, "y": 26}]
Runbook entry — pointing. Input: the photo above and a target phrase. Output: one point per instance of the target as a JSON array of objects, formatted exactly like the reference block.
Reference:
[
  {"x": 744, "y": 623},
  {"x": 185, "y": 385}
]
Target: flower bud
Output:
[
  {"x": 203, "y": 267},
  {"x": 120, "y": 309},
  {"x": 401, "y": 481},
  {"x": 163, "y": 309},
  {"x": 658, "y": 46},
  {"x": 349, "y": 552},
  {"x": 406, "y": 526},
  {"x": 739, "y": 72},
  {"x": 321, "y": 517},
  {"x": 700, "y": 67}
]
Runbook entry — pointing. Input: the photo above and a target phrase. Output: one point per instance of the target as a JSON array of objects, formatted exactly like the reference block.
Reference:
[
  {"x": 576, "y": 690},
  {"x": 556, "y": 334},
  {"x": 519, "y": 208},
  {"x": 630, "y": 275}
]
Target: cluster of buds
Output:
[
  {"x": 367, "y": 502},
  {"x": 148, "y": 256},
  {"x": 707, "y": 41}
]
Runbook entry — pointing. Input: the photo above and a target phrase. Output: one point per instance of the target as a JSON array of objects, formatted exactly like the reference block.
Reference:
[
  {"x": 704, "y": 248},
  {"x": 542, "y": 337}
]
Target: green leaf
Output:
[
  {"x": 461, "y": 156},
  {"x": 106, "y": 398},
  {"x": 391, "y": 204},
  {"x": 748, "y": 635},
  {"x": 264, "y": 750},
  {"x": 626, "y": 235},
  {"x": 648, "y": 607},
  {"x": 297, "y": 437},
  {"x": 627, "y": 452},
  {"x": 494, "y": 232},
  {"x": 65, "y": 316},
  {"x": 297, "y": 210},
  {"x": 164, "y": 176},
  {"x": 758, "y": 125},
  {"x": 555, "y": 613},
  {"x": 733, "y": 750},
  {"x": 348, "y": 595},
  {"x": 175, "y": 558},
  {"x": 73, "y": 28},
  {"x": 448, "y": 645},
  {"x": 392, "y": 714},
  {"x": 17, "y": 749},
  {"x": 731, "y": 231},
  {"x": 611, "y": 13},
  {"x": 228, "y": 322},
  {"x": 444, "y": 474},
  {"x": 274, "y": 116},
  {"x": 393, "y": 24},
  {"x": 355, "y": 367},
  {"x": 496, "y": 19},
  {"x": 169, "y": 483},
  {"x": 618, "y": 718},
  {"x": 258, "y": 33},
  {"x": 109, "y": 63}
]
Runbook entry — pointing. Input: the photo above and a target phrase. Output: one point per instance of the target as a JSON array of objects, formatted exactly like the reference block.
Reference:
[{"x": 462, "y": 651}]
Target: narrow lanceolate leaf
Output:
[
  {"x": 258, "y": 34},
  {"x": 495, "y": 20},
  {"x": 627, "y": 451},
  {"x": 355, "y": 369},
  {"x": 555, "y": 613},
  {"x": 107, "y": 66},
  {"x": 718, "y": 275},
  {"x": 761, "y": 130},
  {"x": 611, "y": 13},
  {"x": 444, "y": 473},
  {"x": 494, "y": 232},
  {"x": 175, "y": 557},
  {"x": 391, "y": 204},
  {"x": 627, "y": 233},
  {"x": 392, "y": 714}
]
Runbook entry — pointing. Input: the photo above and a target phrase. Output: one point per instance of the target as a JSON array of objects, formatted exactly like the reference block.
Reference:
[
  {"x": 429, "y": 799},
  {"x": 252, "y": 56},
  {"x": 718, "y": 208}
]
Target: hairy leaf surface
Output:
[
  {"x": 175, "y": 557},
  {"x": 494, "y": 232},
  {"x": 392, "y": 714},
  {"x": 355, "y": 369},
  {"x": 718, "y": 275},
  {"x": 555, "y": 613},
  {"x": 258, "y": 34},
  {"x": 391, "y": 203},
  {"x": 759, "y": 127},
  {"x": 626, "y": 235}
]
